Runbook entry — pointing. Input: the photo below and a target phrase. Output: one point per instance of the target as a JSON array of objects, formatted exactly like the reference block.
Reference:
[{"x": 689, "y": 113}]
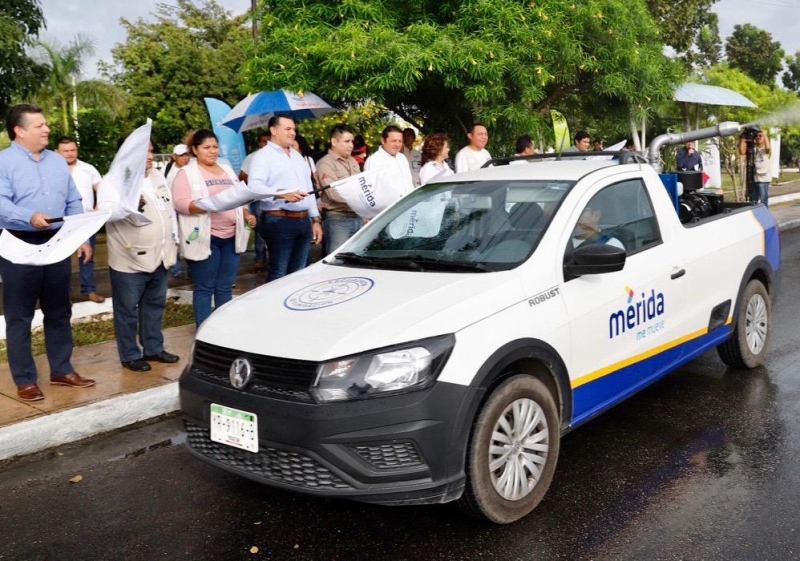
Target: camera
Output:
[{"x": 749, "y": 133}]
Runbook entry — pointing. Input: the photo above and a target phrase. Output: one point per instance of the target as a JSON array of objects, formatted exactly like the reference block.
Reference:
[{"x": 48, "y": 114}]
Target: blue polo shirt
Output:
[
  {"x": 28, "y": 186},
  {"x": 272, "y": 170}
]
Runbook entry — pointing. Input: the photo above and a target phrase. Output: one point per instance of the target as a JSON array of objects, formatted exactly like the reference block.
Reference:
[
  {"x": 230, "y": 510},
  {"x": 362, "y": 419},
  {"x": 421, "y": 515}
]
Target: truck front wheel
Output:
[
  {"x": 747, "y": 346},
  {"x": 513, "y": 451}
]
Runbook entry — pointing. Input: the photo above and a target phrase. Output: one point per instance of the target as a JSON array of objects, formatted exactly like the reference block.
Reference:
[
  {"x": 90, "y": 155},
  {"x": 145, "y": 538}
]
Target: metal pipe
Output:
[{"x": 723, "y": 129}]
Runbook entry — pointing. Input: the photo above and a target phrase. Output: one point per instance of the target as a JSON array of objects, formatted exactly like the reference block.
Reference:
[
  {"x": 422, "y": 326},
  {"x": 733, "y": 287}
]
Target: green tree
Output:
[
  {"x": 708, "y": 44},
  {"x": 689, "y": 27},
  {"x": 444, "y": 64},
  {"x": 753, "y": 51},
  {"x": 168, "y": 65},
  {"x": 20, "y": 23},
  {"x": 791, "y": 78},
  {"x": 63, "y": 83}
]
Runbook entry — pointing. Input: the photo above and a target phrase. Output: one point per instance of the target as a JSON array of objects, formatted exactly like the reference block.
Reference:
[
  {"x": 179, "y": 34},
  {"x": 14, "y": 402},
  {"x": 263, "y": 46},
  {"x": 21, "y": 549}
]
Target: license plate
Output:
[{"x": 234, "y": 427}]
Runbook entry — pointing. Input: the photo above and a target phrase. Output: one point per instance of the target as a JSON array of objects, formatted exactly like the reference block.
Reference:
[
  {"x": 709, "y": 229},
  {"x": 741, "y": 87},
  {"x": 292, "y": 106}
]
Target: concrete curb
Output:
[
  {"x": 784, "y": 198},
  {"x": 44, "y": 432}
]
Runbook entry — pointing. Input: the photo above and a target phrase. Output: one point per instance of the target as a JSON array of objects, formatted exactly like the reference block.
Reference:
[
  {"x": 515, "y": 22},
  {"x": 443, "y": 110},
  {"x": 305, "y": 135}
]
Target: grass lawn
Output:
[
  {"x": 92, "y": 332},
  {"x": 727, "y": 184}
]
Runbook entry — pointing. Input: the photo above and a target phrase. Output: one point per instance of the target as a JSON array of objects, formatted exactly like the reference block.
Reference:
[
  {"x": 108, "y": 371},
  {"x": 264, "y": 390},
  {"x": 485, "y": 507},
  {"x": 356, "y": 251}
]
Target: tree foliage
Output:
[
  {"x": 20, "y": 23},
  {"x": 444, "y": 64},
  {"x": 100, "y": 132},
  {"x": 166, "y": 66},
  {"x": 689, "y": 27},
  {"x": 63, "y": 81},
  {"x": 791, "y": 78},
  {"x": 753, "y": 51}
]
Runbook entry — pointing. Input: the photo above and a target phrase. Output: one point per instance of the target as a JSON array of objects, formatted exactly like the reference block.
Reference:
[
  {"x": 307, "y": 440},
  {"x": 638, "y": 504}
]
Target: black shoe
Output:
[
  {"x": 138, "y": 365},
  {"x": 163, "y": 356}
]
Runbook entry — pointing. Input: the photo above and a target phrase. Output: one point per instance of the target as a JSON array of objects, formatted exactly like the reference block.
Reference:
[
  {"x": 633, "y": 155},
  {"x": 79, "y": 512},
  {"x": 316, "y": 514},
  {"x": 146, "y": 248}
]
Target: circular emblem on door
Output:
[
  {"x": 240, "y": 373},
  {"x": 328, "y": 293}
]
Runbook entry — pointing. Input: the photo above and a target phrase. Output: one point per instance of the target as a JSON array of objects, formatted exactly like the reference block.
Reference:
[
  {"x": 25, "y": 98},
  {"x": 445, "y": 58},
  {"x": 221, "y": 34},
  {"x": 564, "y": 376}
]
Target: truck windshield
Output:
[{"x": 459, "y": 227}]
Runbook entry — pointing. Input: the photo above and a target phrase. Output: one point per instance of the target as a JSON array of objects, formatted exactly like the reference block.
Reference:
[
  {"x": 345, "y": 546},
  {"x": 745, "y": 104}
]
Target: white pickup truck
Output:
[{"x": 444, "y": 350}]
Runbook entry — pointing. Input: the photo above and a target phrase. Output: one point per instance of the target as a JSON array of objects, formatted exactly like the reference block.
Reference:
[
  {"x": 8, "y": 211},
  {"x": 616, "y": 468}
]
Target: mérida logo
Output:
[{"x": 639, "y": 311}]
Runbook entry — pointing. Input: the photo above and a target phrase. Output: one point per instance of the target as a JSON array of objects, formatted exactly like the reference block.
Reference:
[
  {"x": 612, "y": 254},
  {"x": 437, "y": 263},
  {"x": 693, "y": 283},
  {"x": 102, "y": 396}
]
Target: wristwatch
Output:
[{"x": 316, "y": 220}]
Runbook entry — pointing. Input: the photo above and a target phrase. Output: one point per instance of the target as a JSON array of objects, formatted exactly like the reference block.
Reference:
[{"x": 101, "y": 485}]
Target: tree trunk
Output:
[{"x": 64, "y": 115}]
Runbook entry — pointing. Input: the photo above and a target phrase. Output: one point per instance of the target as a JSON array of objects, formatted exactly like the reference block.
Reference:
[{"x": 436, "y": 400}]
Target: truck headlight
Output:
[{"x": 404, "y": 368}]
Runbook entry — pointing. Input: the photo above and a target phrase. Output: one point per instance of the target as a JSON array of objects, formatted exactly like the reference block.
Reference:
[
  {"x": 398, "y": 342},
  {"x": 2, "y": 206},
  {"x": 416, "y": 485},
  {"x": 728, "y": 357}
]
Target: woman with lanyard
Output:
[{"x": 210, "y": 242}]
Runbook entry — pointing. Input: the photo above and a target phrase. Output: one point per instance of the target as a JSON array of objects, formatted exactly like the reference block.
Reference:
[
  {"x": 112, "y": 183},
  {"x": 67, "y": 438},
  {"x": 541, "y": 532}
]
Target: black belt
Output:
[{"x": 37, "y": 237}]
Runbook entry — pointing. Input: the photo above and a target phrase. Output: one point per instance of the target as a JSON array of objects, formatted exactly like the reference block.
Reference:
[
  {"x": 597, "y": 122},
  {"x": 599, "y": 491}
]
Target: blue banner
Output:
[{"x": 231, "y": 143}]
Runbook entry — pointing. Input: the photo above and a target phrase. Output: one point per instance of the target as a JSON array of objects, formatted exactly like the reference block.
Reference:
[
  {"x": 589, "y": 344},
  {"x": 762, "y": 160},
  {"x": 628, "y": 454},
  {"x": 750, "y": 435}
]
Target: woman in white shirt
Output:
[{"x": 434, "y": 155}]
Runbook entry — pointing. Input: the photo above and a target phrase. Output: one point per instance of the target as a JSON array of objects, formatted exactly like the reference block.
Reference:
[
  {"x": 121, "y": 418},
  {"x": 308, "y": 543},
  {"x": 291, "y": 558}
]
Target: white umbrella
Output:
[{"x": 255, "y": 110}]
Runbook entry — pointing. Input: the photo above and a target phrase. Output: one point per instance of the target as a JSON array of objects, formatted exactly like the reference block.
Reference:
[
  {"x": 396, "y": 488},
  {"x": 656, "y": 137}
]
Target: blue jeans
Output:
[
  {"x": 288, "y": 242},
  {"x": 177, "y": 269},
  {"x": 23, "y": 285},
  {"x": 139, "y": 300},
  {"x": 260, "y": 244},
  {"x": 762, "y": 192},
  {"x": 337, "y": 229},
  {"x": 212, "y": 277},
  {"x": 87, "y": 270}
]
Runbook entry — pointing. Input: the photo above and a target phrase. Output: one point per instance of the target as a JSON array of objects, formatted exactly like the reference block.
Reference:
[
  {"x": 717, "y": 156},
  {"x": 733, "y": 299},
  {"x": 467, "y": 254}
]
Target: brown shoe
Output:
[
  {"x": 258, "y": 266},
  {"x": 29, "y": 392},
  {"x": 95, "y": 297},
  {"x": 72, "y": 380}
]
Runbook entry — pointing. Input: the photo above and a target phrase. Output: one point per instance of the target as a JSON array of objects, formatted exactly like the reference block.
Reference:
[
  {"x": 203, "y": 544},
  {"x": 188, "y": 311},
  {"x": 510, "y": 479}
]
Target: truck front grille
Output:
[
  {"x": 289, "y": 468},
  {"x": 281, "y": 378}
]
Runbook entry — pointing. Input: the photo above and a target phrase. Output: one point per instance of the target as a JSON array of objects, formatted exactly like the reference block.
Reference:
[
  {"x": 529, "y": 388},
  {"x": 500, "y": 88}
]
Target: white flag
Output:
[
  {"x": 712, "y": 166},
  {"x": 365, "y": 194},
  {"x": 228, "y": 199},
  {"x": 121, "y": 187},
  {"x": 76, "y": 230}
]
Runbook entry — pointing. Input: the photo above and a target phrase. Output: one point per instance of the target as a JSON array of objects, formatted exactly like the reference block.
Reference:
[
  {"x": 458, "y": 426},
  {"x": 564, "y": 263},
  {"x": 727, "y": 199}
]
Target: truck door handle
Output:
[{"x": 678, "y": 274}]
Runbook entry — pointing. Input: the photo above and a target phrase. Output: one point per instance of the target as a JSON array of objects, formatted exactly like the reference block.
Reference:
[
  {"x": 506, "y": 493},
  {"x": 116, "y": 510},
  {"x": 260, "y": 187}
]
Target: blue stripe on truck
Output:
[
  {"x": 594, "y": 397},
  {"x": 772, "y": 244}
]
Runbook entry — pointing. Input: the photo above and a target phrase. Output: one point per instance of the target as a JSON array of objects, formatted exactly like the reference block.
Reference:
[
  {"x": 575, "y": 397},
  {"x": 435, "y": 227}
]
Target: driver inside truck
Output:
[{"x": 588, "y": 230}]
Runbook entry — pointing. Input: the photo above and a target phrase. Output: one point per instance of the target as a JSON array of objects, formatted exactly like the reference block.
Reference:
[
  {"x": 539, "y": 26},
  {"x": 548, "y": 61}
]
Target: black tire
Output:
[
  {"x": 481, "y": 498},
  {"x": 748, "y": 344}
]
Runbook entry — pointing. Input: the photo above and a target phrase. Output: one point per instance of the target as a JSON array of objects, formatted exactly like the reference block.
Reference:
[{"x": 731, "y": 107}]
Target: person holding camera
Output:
[{"x": 762, "y": 176}]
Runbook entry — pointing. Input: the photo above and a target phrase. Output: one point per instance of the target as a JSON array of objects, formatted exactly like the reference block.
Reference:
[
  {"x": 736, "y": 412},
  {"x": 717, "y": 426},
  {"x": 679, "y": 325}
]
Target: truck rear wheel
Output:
[
  {"x": 513, "y": 451},
  {"x": 747, "y": 346}
]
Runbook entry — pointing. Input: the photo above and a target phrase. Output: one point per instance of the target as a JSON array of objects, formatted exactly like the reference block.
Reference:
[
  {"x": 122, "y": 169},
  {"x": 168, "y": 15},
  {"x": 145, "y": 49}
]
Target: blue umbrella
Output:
[{"x": 255, "y": 110}]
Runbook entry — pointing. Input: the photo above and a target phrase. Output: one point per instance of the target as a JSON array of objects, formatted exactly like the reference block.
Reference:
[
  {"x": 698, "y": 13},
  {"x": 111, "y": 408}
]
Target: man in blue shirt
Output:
[
  {"x": 688, "y": 159},
  {"x": 36, "y": 186},
  {"x": 290, "y": 217}
]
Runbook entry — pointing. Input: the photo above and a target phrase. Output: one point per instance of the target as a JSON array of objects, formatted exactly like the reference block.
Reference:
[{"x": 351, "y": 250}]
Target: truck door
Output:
[{"x": 621, "y": 323}]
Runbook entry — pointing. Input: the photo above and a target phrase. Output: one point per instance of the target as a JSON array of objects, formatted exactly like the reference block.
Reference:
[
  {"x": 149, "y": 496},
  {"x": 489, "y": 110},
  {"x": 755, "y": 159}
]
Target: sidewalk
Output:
[{"x": 122, "y": 397}]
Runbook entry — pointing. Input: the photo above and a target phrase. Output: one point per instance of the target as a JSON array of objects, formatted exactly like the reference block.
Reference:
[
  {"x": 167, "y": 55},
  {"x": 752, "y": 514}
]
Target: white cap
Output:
[{"x": 180, "y": 149}]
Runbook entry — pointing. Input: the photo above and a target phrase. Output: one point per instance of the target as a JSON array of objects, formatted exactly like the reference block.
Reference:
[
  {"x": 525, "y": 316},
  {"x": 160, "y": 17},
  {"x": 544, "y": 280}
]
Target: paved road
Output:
[{"x": 704, "y": 465}]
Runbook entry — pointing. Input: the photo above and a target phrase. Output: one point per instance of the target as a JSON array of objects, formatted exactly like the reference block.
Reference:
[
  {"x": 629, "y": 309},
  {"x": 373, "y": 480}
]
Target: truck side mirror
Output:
[{"x": 595, "y": 259}]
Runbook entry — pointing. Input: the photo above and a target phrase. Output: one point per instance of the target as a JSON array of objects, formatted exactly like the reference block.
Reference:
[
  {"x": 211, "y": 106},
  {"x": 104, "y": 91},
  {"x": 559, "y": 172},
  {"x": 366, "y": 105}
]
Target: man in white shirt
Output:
[
  {"x": 263, "y": 138},
  {"x": 413, "y": 156},
  {"x": 474, "y": 155},
  {"x": 86, "y": 178},
  {"x": 393, "y": 165}
]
